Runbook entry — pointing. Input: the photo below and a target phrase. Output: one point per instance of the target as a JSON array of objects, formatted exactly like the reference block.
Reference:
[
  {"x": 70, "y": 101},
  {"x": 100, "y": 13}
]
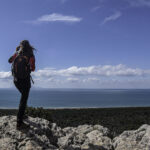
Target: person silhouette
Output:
[{"x": 22, "y": 58}]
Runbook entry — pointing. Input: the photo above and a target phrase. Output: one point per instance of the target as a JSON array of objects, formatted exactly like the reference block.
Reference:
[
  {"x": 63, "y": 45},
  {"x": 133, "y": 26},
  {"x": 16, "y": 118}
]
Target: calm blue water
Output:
[{"x": 77, "y": 98}]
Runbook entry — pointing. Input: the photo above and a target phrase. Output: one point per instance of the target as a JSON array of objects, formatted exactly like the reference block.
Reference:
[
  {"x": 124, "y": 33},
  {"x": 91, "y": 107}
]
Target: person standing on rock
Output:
[{"x": 23, "y": 62}]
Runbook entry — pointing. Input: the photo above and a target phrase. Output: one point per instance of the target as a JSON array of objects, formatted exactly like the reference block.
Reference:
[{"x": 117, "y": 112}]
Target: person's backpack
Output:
[{"x": 20, "y": 67}]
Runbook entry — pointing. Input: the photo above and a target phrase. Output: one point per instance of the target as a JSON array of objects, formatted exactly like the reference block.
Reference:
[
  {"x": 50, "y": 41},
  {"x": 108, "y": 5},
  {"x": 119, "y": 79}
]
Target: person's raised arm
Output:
[{"x": 12, "y": 58}]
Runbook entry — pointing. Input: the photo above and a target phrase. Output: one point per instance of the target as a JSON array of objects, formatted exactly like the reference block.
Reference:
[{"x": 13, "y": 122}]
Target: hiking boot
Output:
[{"x": 22, "y": 125}]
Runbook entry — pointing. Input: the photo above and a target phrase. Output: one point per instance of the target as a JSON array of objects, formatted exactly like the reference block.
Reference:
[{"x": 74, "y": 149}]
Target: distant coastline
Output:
[{"x": 78, "y": 108}]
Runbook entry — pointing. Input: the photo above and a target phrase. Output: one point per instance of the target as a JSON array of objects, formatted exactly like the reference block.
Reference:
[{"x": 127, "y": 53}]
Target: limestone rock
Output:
[
  {"x": 85, "y": 137},
  {"x": 134, "y": 140},
  {"x": 38, "y": 136},
  {"x": 44, "y": 135}
]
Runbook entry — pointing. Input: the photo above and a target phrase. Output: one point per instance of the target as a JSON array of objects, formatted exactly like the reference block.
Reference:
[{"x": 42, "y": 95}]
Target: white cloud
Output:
[
  {"x": 139, "y": 3},
  {"x": 95, "y": 8},
  {"x": 112, "y": 17},
  {"x": 63, "y": 1},
  {"x": 73, "y": 80},
  {"x": 100, "y": 76},
  {"x": 5, "y": 75},
  {"x": 55, "y": 17},
  {"x": 106, "y": 70}
]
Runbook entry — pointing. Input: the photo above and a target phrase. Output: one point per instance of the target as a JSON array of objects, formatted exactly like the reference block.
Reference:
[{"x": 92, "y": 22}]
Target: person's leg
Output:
[
  {"x": 23, "y": 85},
  {"x": 18, "y": 86},
  {"x": 22, "y": 105}
]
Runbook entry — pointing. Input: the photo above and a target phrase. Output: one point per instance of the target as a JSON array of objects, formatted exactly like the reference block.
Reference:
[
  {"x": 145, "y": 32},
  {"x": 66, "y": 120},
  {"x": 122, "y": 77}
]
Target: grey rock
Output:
[
  {"x": 133, "y": 140},
  {"x": 44, "y": 135},
  {"x": 38, "y": 136},
  {"x": 85, "y": 137}
]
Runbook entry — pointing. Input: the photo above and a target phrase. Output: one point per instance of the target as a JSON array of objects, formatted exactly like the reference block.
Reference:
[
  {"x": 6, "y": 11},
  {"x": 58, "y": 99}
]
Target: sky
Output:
[{"x": 79, "y": 43}]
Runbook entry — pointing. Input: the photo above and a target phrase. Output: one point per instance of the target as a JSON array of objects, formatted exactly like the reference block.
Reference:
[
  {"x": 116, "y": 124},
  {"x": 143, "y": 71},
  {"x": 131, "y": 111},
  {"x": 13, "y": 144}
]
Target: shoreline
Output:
[{"x": 78, "y": 108}]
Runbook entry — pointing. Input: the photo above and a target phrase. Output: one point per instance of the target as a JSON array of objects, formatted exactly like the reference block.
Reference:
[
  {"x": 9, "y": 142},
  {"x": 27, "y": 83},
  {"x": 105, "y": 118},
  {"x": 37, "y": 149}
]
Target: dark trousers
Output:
[{"x": 23, "y": 85}]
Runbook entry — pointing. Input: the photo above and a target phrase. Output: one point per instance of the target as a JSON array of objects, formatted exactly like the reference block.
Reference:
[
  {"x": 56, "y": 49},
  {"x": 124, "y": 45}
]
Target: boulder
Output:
[
  {"x": 85, "y": 137},
  {"x": 39, "y": 136},
  {"x": 133, "y": 140}
]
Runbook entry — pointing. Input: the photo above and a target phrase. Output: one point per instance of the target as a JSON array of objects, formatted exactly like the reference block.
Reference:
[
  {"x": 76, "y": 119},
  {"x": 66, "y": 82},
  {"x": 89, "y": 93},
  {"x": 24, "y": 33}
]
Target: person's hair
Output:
[{"x": 26, "y": 47}]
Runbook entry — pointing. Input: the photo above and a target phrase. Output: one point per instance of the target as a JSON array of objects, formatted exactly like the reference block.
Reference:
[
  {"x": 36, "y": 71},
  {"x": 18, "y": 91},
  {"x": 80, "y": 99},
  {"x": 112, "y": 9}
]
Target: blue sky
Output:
[{"x": 80, "y": 43}]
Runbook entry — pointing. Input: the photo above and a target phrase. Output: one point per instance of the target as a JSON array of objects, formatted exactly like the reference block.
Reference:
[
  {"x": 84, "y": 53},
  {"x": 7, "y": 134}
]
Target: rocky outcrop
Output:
[
  {"x": 38, "y": 136},
  {"x": 85, "y": 137},
  {"x": 133, "y": 140},
  {"x": 43, "y": 135}
]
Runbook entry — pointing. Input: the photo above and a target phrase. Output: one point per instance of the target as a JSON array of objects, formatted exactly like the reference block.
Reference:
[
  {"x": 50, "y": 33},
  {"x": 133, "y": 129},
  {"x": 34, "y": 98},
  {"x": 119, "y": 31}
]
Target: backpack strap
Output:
[{"x": 31, "y": 79}]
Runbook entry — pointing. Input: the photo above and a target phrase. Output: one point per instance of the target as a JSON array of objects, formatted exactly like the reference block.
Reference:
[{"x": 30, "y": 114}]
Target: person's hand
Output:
[
  {"x": 10, "y": 59},
  {"x": 17, "y": 48}
]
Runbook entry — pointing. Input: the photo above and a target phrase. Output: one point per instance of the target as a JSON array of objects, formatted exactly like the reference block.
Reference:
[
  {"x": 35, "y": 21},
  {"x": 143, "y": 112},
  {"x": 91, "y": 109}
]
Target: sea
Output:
[{"x": 77, "y": 98}]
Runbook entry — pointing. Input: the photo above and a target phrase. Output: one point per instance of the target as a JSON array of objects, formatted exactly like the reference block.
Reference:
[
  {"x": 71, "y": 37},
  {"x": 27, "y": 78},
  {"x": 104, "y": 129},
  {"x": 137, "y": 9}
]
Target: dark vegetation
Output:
[{"x": 116, "y": 119}]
